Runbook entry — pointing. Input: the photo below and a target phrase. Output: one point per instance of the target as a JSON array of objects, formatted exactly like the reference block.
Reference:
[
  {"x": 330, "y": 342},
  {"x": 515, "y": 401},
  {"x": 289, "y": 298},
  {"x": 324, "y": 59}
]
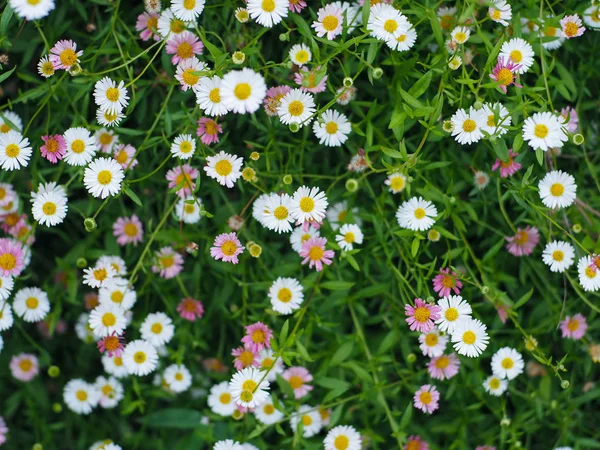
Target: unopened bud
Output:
[
  {"x": 89, "y": 224},
  {"x": 348, "y": 82},
  {"x": 287, "y": 179},
  {"x": 377, "y": 73},
  {"x": 351, "y": 185},
  {"x": 81, "y": 263},
  {"x": 53, "y": 371},
  {"x": 565, "y": 384}
]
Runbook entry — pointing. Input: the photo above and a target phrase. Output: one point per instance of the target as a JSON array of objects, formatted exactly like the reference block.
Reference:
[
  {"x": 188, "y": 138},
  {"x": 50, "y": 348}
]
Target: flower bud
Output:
[
  {"x": 505, "y": 422},
  {"x": 254, "y": 156},
  {"x": 565, "y": 384},
  {"x": 53, "y": 371},
  {"x": 238, "y": 57},
  {"x": 294, "y": 127},
  {"x": 283, "y": 37},
  {"x": 478, "y": 105},
  {"x": 433, "y": 235},
  {"x": 351, "y": 185},
  {"x": 577, "y": 228},
  {"x": 411, "y": 358},
  {"x": 452, "y": 200},
  {"x": 57, "y": 408},
  {"x": 248, "y": 174},
  {"x": 287, "y": 179},
  {"x": 89, "y": 224},
  {"x": 81, "y": 263},
  {"x": 348, "y": 82},
  {"x": 447, "y": 126},
  {"x": 37, "y": 446},
  {"x": 578, "y": 139},
  {"x": 377, "y": 72},
  {"x": 485, "y": 290}
]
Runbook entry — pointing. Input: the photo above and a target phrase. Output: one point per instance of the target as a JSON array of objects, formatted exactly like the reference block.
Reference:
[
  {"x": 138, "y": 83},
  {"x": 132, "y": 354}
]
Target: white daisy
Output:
[
  {"x": 308, "y": 204},
  {"x": 169, "y": 25},
  {"x": 1, "y": 343},
  {"x": 528, "y": 26},
  {"x": 286, "y": 295},
  {"x": 208, "y": 96},
  {"x": 188, "y": 210},
  {"x": 81, "y": 146},
  {"x": 467, "y": 126},
  {"x": 519, "y": 51},
  {"x": 258, "y": 207},
  {"x": 186, "y": 73},
  {"x": 349, "y": 235},
  {"x": 157, "y": 329},
  {"x": 416, "y": 214},
  {"x": 299, "y": 236},
  {"x": 114, "y": 366},
  {"x": 116, "y": 262},
  {"x": 31, "y": 304},
  {"x": 329, "y": 21},
  {"x": 6, "y": 316},
  {"x": 10, "y": 121},
  {"x": 495, "y": 386},
  {"x": 557, "y": 189},
  {"x": 310, "y": 418},
  {"x": 343, "y": 437},
  {"x": 188, "y": 10},
  {"x": 454, "y": 309},
  {"x": 276, "y": 213},
  {"x": 140, "y": 358},
  {"x": 269, "y": 364},
  {"x": 224, "y": 167},
  {"x": 433, "y": 343},
  {"x": 247, "y": 389},
  {"x": 228, "y": 444},
  {"x": 300, "y": 54},
  {"x": 403, "y": 40},
  {"x": 332, "y": 128},
  {"x": 552, "y": 37},
  {"x": 296, "y": 107},
  {"x": 470, "y": 338},
  {"x": 460, "y": 35},
  {"x": 544, "y": 130},
  {"x": 183, "y": 146},
  {"x": 178, "y": 378},
  {"x": 386, "y": 22},
  {"x": 559, "y": 255},
  {"x": 117, "y": 291},
  {"x": 507, "y": 363},
  {"x": 32, "y": 9},
  {"x": 242, "y": 91},
  {"x": 15, "y": 150},
  {"x": 267, "y": 414},
  {"x": 591, "y": 16},
  {"x": 110, "y": 390},
  {"x": 500, "y": 12},
  {"x": 49, "y": 207},
  {"x": 268, "y": 12},
  {"x": 353, "y": 13},
  {"x": 82, "y": 329},
  {"x": 103, "y": 177},
  {"x": 396, "y": 181},
  {"x": 80, "y": 397},
  {"x": 106, "y": 140},
  {"x": 106, "y": 119},
  {"x": 45, "y": 67},
  {"x": 497, "y": 119},
  {"x": 96, "y": 276},
  {"x": 6, "y": 287},
  {"x": 589, "y": 273},
  {"x": 337, "y": 214},
  {"x": 106, "y": 319},
  {"x": 220, "y": 400},
  {"x": 110, "y": 96}
]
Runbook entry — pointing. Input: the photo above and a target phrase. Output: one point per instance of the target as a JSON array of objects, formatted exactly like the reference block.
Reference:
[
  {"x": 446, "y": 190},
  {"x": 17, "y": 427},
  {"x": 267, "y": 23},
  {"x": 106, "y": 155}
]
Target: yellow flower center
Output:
[
  {"x": 349, "y": 237},
  {"x": 259, "y": 337},
  {"x": 68, "y": 57},
  {"x": 112, "y": 94},
  {"x": 242, "y": 91},
  {"x": 111, "y": 343},
  {"x": 469, "y": 338},
  {"x": 390, "y": 25},
  {"x": 189, "y": 209},
  {"x": 225, "y": 398},
  {"x": 330, "y": 23},
  {"x": 521, "y": 238},
  {"x": 78, "y": 146},
  {"x": 51, "y": 146},
  {"x": 117, "y": 296},
  {"x": 32, "y": 302},
  {"x": 223, "y": 167},
  {"x": 420, "y": 213},
  {"x": 284, "y": 295},
  {"x": 178, "y": 376},
  {"x": 496, "y": 14},
  {"x": 507, "y": 363},
  {"x": 152, "y": 24},
  {"x": 4, "y": 128},
  {"x": 107, "y": 390},
  {"x": 307, "y": 420},
  {"x": 109, "y": 319},
  {"x": 460, "y": 37},
  {"x": 401, "y": 38},
  {"x": 422, "y": 314},
  {"x": 397, "y": 183},
  {"x": 177, "y": 26},
  {"x": 316, "y": 253},
  {"x": 448, "y": 281},
  {"x": 557, "y": 189},
  {"x": 469, "y": 125},
  {"x": 130, "y": 230},
  {"x": 451, "y": 314},
  {"x": 442, "y": 362},
  {"x": 12, "y": 150},
  {"x": 307, "y": 204},
  {"x": 118, "y": 361},
  {"x": 281, "y": 213},
  {"x": 104, "y": 177},
  {"x": 139, "y": 357},
  {"x": 341, "y": 442},
  {"x": 167, "y": 261},
  {"x": 81, "y": 395},
  {"x": 571, "y": 29},
  {"x": 494, "y": 383},
  {"x": 268, "y": 5},
  {"x": 215, "y": 95},
  {"x": 7, "y": 261},
  {"x": 431, "y": 339},
  {"x": 331, "y": 127},
  {"x": 156, "y": 328},
  {"x": 49, "y": 208},
  {"x": 189, "y": 78},
  {"x": 246, "y": 358},
  {"x": 268, "y": 409},
  {"x": 425, "y": 398},
  {"x": 573, "y": 325},
  {"x": 504, "y": 77},
  {"x": 100, "y": 274},
  {"x": 229, "y": 248},
  {"x": 249, "y": 385},
  {"x": 185, "y": 51},
  {"x": 189, "y": 4},
  {"x": 122, "y": 157},
  {"x": 211, "y": 127},
  {"x": 296, "y": 108},
  {"x": 516, "y": 56},
  {"x": 558, "y": 256},
  {"x": 302, "y": 56}
]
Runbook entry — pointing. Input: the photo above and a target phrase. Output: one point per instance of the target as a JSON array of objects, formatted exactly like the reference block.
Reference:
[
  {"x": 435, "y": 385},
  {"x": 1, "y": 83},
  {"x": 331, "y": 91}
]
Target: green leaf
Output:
[
  {"x": 181, "y": 418},
  {"x": 523, "y": 299},
  {"x": 518, "y": 142},
  {"x": 5, "y": 75},
  {"x": 283, "y": 334},
  {"x": 447, "y": 234},
  {"x": 420, "y": 87},
  {"x": 405, "y": 421},
  {"x": 342, "y": 353},
  {"x": 500, "y": 149},
  {"x": 132, "y": 195},
  {"x": 436, "y": 27},
  {"x": 337, "y": 285},
  {"x": 414, "y": 248},
  {"x": 285, "y": 386},
  {"x": 302, "y": 350},
  {"x": 5, "y": 19},
  {"x": 410, "y": 99},
  {"x": 392, "y": 153},
  {"x": 539, "y": 154}
]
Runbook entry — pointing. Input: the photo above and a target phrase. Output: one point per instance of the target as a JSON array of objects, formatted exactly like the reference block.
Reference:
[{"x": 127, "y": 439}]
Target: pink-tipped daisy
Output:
[
  {"x": 297, "y": 5},
  {"x": 184, "y": 46},
  {"x": 329, "y": 21},
  {"x": 258, "y": 336},
  {"x": 298, "y": 377},
  {"x": 244, "y": 357},
  {"x": 571, "y": 26},
  {"x": 273, "y": 99},
  {"x": 523, "y": 243},
  {"x": 183, "y": 177},
  {"x": 443, "y": 367},
  {"x": 426, "y": 399},
  {"x": 112, "y": 345},
  {"x": 227, "y": 247},
  {"x": 574, "y": 327},
  {"x": 572, "y": 120},
  {"x": 168, "y": 262},
  {"x": 208, "y": 130},
  {"x": 509, "y": 167},
  {"x": 416, "y": 443},
  {"x": 128, "y": 230},
  {"x": 64, "y": 54},
  {"x": 190, "y": 309},
  {"x": 12, "y": 259},
  {"x": 311, "y": 80},
  {"x": 445, "y": 282},
  {"x": 147, "y": 25},
  {"x": 24, "y": 366},
  {"x": 54, "y": 147},
  {"x": 505, "y": 72},
  {"x": 124, "y": 155},
  {"x": 313, "y": 251},
  {"x": 421, "y": 316}
]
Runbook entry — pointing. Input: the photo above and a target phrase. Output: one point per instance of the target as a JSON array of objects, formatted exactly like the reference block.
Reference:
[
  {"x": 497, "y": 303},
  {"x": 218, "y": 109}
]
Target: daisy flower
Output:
[
  {"x": 453, "y": 310},
  {"x": 523, "y": 242},
  {"x": 310, "y": 418},
  {"x": 329, "y": 21},
  {"x": 186, "y": 73},
  {"x": 557, "y": 189},
  {"x": 573, "y": 327},
  {"x": 591, "y": 16},
  {"x": 296, "y": 107},
  {"x": 300, "y": 54},
  {"x": 311, "y": 80},
  {"x": 433, "y": 343},
  {"x": 544, "y": 130},
  {"x": 110, "y": 392},
  {"x": 569, "y": 114},
  {"x": 24, "y": 367},
  {"x": 298, "y": 379},
  {"x": 220, "y": 400},
  {"x": 188, "y": 10},
  {"x": 227, "y": 247},
  {"x": 273, "y": 99},
  {"x": 349, "y": 234},
  {"x": 504, "y": 73},
  {"x": 248, "y": 388},
  {"x": 344, "y": 95},
  {"x": 103, "y": 177},
  {"x": 588, "y": 268},
  {"x": 128, "y": 230},
  {"x": 416, "y": 214},
  {"x": 208, "y": 131},
  {"x": 270, "y": 365},
  {"x": 114, "y": 366},
  {"x": 12, "y": 258},
  {"x": 15, "y": 150},
  {"x": 49, "y": 207},
  {"x": 106, "y": 119},
  {"x": 64, "y": 54},
  {"x": 80, "y": 397},
  {"x": 118, "y": 291},
  {"x": 470, "y": 337},
  {"x": 31, "y": 304},
  {"x": 267, "y": 414},
  {"x": 242, "y": 91},
  {"x": 507, "y": 363},
  {"x": 224, "y": 167},
  {"x": 308, "y": 204},
  {"x": 3, "y": 430},
  {"x": 111, "y": 344},
  {"x": 520, "y": 52},
  {"x": 183, "y": 177},
  {"x": 416, "y": 442},
  {"x": 386, "y": 22},
  {"x": 426, "y": 399},
  {"x": 184, "y": 45},
  {"x": 6, "y": 287},
  {"x": 508, "y": 167},
  {"x": 81, "y": 146},
  {"x": 343, "y": 437},
  {"x": 6, "y": 316},
  {"x": 54, "y": 148},
  {"x": 110, "y": 96},
  {"x": 244, "y": 357},
  {"x": 12, "y": 122},
  {"x": 32, "y": 10},
  {"x": 460, "y": 35},
  {"x": 495, "y": 386},
  {"x": 446, "y": 15},
  {"x": 339, "y": 213},
  {"x": 147, "y": 25},
  {"x": 297, "y": 6},
  {"x": 445, "y": 282},
  {"x": 188, "y": 210},
  {"x": 140, "y": 358},
  {"x": 183, "y": 147},
  {"x": 178, "y": 377},
  {"x": 170, "y": 26},
  {"x": 258, "y": 336},
  {"x": 286, "y": 295},
  {"x": 421, "y": 316},
  {"x": 190, "y": 309},
  {"x": 313, "y": 251},
  {"x": 208, "y": 96},
  {"x": 268, "y": 12},
  {"x": 106, "y": 319},
  {"x": 276, "y": 213},
  {"x": 443, "y": 367},
  {"x": 299, "y": 236},
  {"x": 168, "y": 263},
  {"x": 403, "y": 39},
  {"x": 467, "y": 127},
  {"x": 571, "y": 26},
  {"x": 332, "y": 128},
  {"x": 500, "y": 12},
  {"x": 396, "y": 181}
]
